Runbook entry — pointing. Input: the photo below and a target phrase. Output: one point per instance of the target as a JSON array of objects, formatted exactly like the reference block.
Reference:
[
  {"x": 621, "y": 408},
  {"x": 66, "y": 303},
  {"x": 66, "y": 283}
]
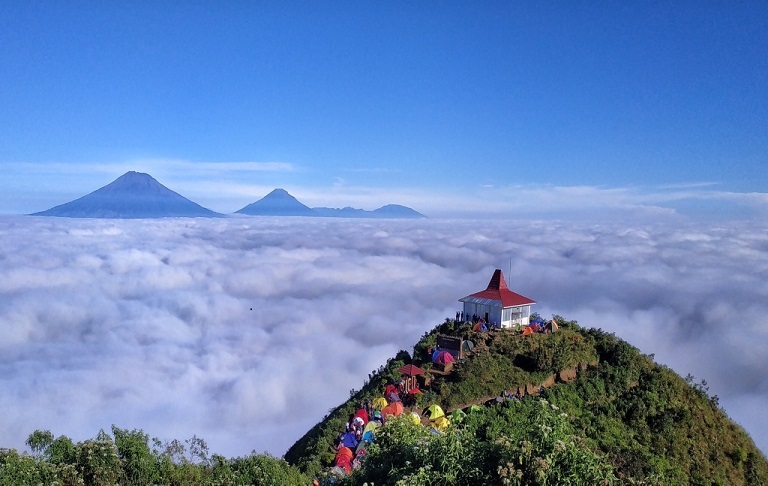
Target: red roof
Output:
[{"x": 497, "y": 290}]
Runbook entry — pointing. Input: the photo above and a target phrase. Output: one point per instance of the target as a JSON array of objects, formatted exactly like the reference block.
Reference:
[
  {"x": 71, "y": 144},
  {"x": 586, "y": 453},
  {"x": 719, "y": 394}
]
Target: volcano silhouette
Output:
[{"x": 132, "y": 195}]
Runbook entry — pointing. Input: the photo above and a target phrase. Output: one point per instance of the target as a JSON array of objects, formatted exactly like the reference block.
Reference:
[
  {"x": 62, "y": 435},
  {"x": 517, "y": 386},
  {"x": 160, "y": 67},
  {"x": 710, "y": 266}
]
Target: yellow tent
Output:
[
  {"x": 415, "y": 418},
  {"x": 441, "y": 423},
  {"x": 379, "y": 402},
  {"x": 370, "y": 427},
  {"x": 434, "y": 411}
]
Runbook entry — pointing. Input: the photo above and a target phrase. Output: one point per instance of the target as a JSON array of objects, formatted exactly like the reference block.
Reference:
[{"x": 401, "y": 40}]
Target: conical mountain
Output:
[
  {"x": 132, "y": 195},
  {"x": 277, "y": 203}
]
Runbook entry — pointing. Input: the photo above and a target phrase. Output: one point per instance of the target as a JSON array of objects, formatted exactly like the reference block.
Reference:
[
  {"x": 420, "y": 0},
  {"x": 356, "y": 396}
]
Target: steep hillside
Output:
[{"x": 607, "y": 413}]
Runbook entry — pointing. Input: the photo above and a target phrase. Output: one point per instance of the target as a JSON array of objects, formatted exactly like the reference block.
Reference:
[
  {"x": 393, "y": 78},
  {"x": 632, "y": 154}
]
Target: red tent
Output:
[
  {"x": 444, "y": 358},
  {"x": 363, "y": 415},
  {"x": 344, "y": 459}
]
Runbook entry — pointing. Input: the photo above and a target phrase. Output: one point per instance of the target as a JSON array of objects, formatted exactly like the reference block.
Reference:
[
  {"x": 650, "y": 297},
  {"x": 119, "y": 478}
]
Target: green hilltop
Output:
[{"x": 606, "y": 414}]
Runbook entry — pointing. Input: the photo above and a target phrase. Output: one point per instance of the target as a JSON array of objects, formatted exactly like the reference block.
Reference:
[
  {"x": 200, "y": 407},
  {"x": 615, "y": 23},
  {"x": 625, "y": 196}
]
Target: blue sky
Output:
[{"x": 450, "y": 108}]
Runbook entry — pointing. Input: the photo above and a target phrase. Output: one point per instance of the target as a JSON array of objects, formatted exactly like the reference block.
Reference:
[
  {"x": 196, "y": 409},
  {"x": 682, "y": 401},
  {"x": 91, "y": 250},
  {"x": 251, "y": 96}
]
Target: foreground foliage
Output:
[{"x": 126, "y": 458}]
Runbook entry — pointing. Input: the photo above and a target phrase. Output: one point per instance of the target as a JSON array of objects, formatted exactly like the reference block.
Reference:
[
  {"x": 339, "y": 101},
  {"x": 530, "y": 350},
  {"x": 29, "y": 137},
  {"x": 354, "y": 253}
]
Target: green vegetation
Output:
[
  {"x": 618, "y": 418},
  {"x": 519, "y": 442},
  {"x": 126, "y": 458},
  {"x": 608, "y": 415}
]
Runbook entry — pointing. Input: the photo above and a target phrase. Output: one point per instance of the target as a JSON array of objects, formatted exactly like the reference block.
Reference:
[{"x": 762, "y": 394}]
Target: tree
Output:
[{"x": 39, "y": 441}]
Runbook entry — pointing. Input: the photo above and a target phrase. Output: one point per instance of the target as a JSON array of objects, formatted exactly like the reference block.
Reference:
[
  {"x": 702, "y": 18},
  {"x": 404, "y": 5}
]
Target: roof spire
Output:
[{"x": 497, "y": 281}]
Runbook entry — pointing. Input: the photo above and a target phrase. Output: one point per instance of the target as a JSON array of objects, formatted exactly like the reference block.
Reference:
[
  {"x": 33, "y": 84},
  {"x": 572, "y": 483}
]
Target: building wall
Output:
[
  {"x": 494, "y": 312},
  {"x": 516, "y": 316}
]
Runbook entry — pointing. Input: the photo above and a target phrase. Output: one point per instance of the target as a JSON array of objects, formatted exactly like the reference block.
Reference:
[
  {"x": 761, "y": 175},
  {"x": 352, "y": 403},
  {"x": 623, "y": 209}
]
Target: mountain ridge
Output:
[{"x": 280, "y": 203}]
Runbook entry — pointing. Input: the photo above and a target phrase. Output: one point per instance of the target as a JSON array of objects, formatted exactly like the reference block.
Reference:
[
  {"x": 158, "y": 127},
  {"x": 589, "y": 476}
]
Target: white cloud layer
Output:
[{"x": 245, "y": 331}]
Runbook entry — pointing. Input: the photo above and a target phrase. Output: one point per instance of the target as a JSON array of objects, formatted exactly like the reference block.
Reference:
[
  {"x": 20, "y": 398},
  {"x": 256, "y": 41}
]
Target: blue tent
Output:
[{"x": 349, "y": 440}]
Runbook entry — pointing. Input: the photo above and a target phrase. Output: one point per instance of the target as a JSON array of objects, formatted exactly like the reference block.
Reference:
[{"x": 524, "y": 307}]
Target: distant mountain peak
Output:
[
  {"x": 132, "y": 195},
  {"x": 398, "y": 211},
  {"x": 277, "y": 203}
]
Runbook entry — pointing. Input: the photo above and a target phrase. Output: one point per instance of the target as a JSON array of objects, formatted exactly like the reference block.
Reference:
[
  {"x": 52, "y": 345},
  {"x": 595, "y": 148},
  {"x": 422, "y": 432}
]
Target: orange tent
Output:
[
  {"x": 344, "y": 459},
  {"x": 394, "y": 409},
  {"x": 528, "y": 331},
  {"x": 345, "y": 451}
]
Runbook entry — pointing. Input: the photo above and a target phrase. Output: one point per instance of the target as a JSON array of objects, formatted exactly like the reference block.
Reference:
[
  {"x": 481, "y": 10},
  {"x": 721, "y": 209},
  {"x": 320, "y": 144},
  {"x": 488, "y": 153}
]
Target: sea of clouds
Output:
[{"x": 246, "y": 331}]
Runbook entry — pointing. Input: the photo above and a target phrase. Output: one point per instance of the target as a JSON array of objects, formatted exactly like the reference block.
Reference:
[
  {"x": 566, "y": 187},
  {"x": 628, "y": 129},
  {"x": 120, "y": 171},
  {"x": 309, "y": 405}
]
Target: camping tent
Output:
[
  {"x": 349, "y": 440},
  {"x": 458, "y": 415},
  {"x": 444, "y": 357},
  {"x": 379, "y": 402},
  {"x": 394, "y": 409},
  {"x": 362, "y": 414},
  {"x": 528, "y": 331},
  {"x": 434, "y": 411},
  {"x": 344, "y": 459},
  {"x": 370, "y": 427},
  {"x": 441, "y": 423},
  {"x": 475, "y": 409},
  {"x": 467, "y": 346},
  {"x": 480, "y": 326},
  {"x": 551, "y": 326}
]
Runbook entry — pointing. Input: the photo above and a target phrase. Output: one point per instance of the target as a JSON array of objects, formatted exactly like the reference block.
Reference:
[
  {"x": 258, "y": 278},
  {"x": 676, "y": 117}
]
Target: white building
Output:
[{"x": 498, "y": 304}]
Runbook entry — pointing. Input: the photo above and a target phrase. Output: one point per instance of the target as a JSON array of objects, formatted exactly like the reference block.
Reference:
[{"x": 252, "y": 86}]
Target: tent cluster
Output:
[
  {"x": 480, "y": 324},
  {"x": 538, "y": 325},
  {"x": 372, "y": 414}
]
